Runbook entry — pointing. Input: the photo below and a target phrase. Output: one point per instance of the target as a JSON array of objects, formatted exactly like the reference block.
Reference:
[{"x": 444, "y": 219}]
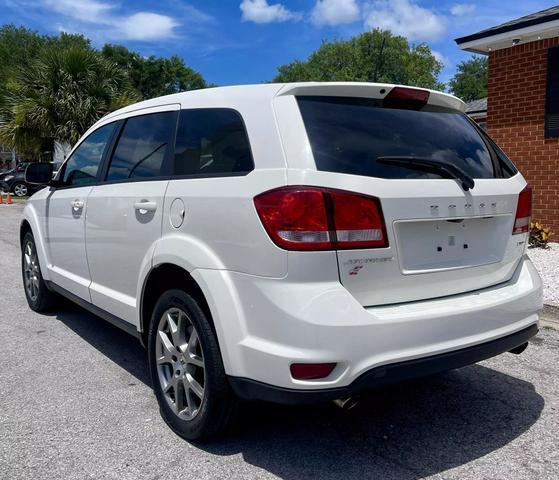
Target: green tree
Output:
[
  {"x": 371, "y": 56},
  {"x": 470, "y": 81},
  {"x": 18, "y": 48},
  {"x": 59, "y": 95},
  {"x": 153, "y": 76}
]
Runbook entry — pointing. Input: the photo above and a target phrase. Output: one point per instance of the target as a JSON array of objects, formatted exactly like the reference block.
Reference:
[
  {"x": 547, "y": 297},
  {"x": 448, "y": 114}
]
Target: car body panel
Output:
[
  {"x": 120, "y": 240},
  {"x": 65, "y": 240}
]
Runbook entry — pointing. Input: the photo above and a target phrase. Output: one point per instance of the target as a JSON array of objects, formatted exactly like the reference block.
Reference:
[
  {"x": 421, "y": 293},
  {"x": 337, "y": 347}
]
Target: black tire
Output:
[
  {"x": 218, "y": 406},
  {"x": 39, "y": 297}
]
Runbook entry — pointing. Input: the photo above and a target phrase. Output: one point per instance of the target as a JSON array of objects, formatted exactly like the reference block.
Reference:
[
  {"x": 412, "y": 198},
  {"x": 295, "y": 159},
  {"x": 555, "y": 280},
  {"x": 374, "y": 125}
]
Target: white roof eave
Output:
[{"x": 505, "y": 40}]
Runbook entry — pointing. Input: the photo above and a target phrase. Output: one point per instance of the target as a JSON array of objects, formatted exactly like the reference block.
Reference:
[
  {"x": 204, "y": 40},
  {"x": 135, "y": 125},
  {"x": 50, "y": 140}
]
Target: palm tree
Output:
[{"x": 59, "y": 97}]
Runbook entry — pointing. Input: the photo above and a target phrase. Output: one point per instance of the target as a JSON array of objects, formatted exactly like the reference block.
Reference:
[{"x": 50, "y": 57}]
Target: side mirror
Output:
[{"x": 39, "y": 173}]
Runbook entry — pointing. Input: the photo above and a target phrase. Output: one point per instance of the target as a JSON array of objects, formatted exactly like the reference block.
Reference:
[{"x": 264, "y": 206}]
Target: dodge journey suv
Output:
[{"x": 288, "y": 242}]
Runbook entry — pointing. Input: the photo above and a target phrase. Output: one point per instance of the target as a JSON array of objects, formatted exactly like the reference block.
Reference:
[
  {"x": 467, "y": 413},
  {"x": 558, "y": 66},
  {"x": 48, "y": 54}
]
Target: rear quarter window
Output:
[
  {"x": 348, "y": 135},
  {"x": 212, "y": 142}
]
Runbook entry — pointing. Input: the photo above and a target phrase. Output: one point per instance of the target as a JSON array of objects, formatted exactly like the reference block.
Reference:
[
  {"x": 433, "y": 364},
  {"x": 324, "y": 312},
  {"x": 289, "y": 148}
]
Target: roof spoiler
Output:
[{"x": 366, "y": 90}]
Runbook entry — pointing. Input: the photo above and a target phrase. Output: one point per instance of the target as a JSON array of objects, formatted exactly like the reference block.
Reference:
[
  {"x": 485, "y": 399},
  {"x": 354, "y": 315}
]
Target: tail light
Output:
[
  {"x": 523, "y": 211},
  {"x": 313, "y": 218}
]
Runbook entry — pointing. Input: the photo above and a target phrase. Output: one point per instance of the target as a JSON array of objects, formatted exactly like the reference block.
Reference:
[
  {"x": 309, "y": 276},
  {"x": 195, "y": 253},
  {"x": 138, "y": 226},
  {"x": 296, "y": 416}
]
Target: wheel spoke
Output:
[
  {"x": 189, "y": 402},
  {"x": 166, "y": 386},
  {"x": 192, "y": 342},
  {"x": 179, "y": 395},
  {"x": 195, "y": 360},
  {"x": 194, "y": 386},
  {"x": 165, "y": 359},
  {"x": 182, "y": 325},
  {"x": 173, "y": 329},
  {"x": 168, "y": 348}
]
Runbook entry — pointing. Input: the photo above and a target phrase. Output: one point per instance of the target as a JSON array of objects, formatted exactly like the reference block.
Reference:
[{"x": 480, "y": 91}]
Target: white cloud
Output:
[
  {"x": 260, "y": 11},
  {"x": 462, "y": 9},
  {"x": 403, "y": 17},
  {"x": 334, "y": 12},
  {"x": 148, "y": 26},
  {"x": 136, "y": 26},
  {"x": 441, "y": 58},
  {"x": 88, "y": 10}
]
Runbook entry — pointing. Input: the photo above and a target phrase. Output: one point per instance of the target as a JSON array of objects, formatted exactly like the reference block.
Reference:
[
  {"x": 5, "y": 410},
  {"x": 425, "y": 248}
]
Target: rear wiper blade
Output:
[{"x": 430, "y": 165}]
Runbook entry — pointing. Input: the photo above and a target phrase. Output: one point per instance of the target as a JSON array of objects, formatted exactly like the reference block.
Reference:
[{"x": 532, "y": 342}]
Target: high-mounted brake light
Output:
[
  {"x": 313, "y": 218},
  {"x": 410, "y": 98},
  {"x": 523, "y": 211}
]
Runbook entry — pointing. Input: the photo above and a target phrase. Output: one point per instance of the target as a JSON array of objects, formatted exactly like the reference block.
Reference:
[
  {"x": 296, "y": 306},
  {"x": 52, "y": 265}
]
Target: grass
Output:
[{"x": 14, "y": 199}]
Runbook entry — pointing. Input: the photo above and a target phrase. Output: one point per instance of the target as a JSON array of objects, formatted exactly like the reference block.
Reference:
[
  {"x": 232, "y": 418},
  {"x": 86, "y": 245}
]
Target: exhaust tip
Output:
[
  {"x": 518, "y": 350},
  {"x": 347, "y": 403}
]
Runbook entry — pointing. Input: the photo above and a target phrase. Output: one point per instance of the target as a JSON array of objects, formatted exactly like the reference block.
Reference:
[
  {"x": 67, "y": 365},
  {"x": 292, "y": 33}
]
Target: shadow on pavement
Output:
[
  {"x": 117, "y": 345},
  {"x": 407, "y": 431}
]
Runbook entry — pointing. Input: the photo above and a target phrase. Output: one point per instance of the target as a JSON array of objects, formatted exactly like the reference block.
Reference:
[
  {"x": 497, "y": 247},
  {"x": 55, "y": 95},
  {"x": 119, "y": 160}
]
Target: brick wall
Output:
[{"x": 515, "y": 120}]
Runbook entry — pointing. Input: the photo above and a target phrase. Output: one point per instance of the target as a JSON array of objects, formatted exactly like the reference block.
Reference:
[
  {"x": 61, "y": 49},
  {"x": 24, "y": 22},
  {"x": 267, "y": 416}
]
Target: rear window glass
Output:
[
  {"x": 348, "y": 135},
  {"x": 212, "y": 142}
]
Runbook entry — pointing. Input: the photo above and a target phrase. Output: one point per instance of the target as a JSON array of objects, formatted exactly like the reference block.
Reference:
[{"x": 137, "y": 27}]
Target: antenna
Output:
[{"x": 379, "y": 59}]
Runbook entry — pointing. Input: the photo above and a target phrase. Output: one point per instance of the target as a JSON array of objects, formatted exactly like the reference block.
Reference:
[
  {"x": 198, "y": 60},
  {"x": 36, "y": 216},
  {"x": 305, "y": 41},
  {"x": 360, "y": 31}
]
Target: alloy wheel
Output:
[
  {"x": 31, "y": 271},
  {"x": 180, "y": 363},
  {"x": 20, "y": 190}
]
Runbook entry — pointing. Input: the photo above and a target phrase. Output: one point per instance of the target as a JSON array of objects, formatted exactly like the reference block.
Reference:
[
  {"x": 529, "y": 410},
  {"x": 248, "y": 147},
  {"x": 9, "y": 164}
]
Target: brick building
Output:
[{"x": 523, "y": 101}]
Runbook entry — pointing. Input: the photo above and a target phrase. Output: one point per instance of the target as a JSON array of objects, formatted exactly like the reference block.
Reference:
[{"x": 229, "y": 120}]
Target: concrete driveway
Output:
[{"x": 75, "y": 402}]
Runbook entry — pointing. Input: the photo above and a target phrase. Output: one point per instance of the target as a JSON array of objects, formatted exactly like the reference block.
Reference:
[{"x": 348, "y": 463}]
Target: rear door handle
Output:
[
  {"x": 145, "y": 206},
  {"x": 78, "y": 204}
]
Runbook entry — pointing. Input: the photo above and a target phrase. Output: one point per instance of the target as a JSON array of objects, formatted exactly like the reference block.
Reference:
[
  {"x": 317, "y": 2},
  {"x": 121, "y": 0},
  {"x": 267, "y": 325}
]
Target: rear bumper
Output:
[
  {"x": 379, "y": 376},
  {"x": 264, "y": 325}
]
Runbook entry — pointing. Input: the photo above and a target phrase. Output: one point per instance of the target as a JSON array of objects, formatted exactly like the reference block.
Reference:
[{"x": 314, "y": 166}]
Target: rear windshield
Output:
[{"x": 347, "y": 135}]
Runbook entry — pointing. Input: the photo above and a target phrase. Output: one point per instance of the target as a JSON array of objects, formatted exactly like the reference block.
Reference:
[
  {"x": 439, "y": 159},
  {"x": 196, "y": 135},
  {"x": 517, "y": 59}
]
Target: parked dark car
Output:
[
  {"x": 14, "y": 182},
  {"x": 5, "y": 173}
]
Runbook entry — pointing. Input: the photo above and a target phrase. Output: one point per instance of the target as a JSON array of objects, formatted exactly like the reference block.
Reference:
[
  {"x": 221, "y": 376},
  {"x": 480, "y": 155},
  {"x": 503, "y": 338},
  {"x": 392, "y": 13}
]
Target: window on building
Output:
[
  {"x": 552, "y": 94},
  {"x": 212, "y": 142}
]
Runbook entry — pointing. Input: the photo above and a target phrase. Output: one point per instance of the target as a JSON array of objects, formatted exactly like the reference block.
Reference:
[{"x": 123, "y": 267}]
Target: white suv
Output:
[{"x": 288, "y": 242}]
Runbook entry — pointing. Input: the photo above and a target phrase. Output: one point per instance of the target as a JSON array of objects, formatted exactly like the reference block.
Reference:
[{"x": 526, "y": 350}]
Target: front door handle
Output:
[{"x": 145, "y": 206}]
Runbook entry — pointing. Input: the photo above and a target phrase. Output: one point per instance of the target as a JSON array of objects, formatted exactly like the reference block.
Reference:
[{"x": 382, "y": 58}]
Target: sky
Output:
[{"x": 244, "y": 41}]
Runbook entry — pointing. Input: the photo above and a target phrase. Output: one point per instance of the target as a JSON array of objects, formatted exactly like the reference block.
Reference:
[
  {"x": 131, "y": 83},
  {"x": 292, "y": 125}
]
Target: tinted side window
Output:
[
  {"x": 211, "y": 142},
  {"x": 143, "y": 144},
  {"x": 81, "y": 168}
]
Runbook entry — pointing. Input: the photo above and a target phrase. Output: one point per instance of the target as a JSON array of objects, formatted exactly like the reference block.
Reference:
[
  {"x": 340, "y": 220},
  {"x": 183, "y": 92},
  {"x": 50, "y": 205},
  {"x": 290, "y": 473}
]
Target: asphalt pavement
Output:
[{"x": 76, "y": 403}]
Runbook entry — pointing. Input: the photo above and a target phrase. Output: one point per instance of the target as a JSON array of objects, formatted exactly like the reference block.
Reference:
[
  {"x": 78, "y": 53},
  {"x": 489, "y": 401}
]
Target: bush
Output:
[{"x": 539, "y": 235}]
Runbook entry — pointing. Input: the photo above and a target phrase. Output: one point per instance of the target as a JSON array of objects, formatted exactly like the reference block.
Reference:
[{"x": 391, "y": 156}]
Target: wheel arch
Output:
[
  {"x": 30, "y": 223},
  {"x": 161, "y": 278},
  {"x": 24, "y": 227}
]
